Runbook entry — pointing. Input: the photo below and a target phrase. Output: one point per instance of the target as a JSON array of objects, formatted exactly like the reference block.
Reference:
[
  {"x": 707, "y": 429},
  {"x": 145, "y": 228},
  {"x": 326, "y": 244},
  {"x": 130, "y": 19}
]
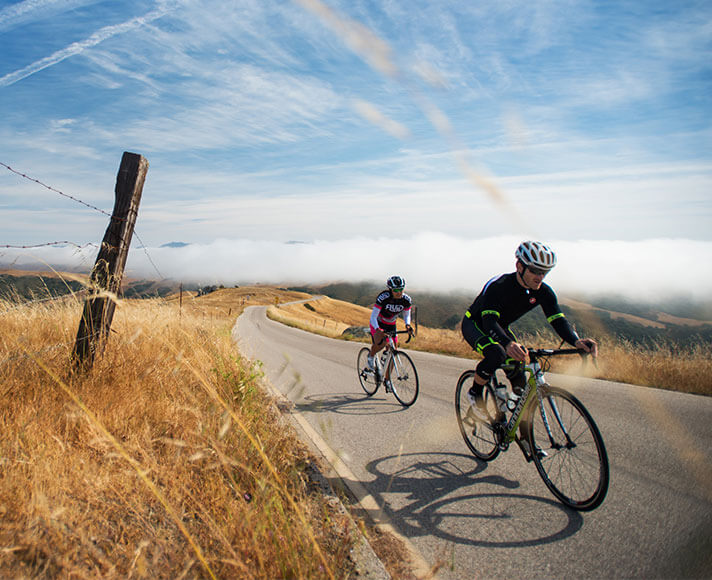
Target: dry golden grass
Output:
[
  {"x": 664, "y": 365},
  {"x": 164, "y": 461},
  {"x": 168, "y": 461}
]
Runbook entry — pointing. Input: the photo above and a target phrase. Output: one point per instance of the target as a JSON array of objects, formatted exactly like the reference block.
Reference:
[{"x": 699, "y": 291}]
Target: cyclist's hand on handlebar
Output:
[
  {"x": 410, "y": 330},
  {"x": 516, "y": 351},
  {"x": 589, "y": 345}
]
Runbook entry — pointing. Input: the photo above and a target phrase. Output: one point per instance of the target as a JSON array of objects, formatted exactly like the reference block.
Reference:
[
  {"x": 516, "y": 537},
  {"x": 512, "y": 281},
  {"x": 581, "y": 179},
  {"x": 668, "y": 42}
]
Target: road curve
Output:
[{"x": 499, "y": 520}]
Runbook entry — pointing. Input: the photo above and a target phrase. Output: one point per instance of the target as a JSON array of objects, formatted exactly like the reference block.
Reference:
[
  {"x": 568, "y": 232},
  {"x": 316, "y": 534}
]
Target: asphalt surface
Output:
[{"x": 495, "y": 520}]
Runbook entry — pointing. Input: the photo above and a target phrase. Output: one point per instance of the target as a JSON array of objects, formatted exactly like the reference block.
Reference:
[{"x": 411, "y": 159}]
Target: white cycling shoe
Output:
[{"x": 475, "y": 408}]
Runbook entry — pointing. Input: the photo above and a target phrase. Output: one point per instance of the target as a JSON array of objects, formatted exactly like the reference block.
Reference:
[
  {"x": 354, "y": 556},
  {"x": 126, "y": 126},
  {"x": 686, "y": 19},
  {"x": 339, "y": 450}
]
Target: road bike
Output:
[
  {"x": 393, "y": 368},
  {"x": 556, "y": 431}
]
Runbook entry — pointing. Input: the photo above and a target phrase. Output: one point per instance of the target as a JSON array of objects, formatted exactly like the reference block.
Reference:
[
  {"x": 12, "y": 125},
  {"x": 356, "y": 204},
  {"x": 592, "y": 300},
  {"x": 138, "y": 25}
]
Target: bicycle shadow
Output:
[
  {"x": 451, "y": 497},
  {"x": 350, "y": 404}
]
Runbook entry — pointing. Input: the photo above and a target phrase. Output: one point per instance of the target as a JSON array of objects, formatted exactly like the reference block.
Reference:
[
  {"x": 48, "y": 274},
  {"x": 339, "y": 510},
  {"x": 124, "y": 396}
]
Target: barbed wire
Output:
[
  {"x": 145, "y": 249},
  {"x": 64, "y": 242},
  {"x": 25, "y": 176},
  {"x": 53, "y": 189}
]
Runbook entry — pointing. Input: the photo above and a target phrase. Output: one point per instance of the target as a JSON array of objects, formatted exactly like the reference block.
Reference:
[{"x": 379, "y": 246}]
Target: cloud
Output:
[
  {"x": 79, "y": 47},
  {"x": 646, "y": 270}
]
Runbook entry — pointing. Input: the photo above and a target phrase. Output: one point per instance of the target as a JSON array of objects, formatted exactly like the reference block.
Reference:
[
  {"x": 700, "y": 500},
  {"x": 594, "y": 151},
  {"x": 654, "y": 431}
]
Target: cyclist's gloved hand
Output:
[
  {"x": 587, "y": 344},
  {"x": 410, "y": 330}
]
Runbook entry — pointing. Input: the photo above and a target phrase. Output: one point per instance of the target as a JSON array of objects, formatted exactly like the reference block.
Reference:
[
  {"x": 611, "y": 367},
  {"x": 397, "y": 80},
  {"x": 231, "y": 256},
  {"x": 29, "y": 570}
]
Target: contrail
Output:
[
  {"x": 79, "y": 47},
  {"x": 27, "y": 10}
]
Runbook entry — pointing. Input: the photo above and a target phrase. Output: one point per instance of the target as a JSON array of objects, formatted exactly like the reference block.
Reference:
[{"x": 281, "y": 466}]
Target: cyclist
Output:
[
  {"x": 389, "y": 304},
  {"x": 503, "y": 300}
]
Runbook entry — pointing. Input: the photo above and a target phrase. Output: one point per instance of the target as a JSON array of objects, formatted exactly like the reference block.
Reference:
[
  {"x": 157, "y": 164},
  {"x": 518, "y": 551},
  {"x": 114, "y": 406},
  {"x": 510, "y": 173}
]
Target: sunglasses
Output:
[
  {"x": 537, "y": 271},
  {"x": 397, "y": 289}
]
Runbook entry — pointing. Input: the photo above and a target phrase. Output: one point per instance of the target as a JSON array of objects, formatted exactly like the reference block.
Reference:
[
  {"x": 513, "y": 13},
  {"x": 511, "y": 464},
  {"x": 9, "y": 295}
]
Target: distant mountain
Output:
[{"x": 175, "y": 245}]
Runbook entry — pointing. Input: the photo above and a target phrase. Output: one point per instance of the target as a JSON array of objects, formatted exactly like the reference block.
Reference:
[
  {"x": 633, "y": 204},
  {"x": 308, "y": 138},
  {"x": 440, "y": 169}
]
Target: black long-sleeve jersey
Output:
[{"x": 503, "y": 300}]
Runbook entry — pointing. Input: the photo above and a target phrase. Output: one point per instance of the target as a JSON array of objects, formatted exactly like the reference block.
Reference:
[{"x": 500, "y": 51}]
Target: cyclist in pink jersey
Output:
[{"x": 390, "y": 304}]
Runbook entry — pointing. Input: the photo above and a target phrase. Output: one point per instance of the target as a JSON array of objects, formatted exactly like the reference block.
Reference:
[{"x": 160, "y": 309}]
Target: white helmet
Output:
[{"x": 536, "y": 255}]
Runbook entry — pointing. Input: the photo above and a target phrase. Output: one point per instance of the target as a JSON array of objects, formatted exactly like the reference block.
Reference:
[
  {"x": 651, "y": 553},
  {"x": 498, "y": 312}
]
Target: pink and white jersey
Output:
[{"x": 387, "y": 308}]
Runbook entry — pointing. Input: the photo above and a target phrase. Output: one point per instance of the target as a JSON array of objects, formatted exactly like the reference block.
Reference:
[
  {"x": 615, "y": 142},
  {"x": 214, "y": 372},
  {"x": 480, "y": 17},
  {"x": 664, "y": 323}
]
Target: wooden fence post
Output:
[{"x": 105, "y": 278}]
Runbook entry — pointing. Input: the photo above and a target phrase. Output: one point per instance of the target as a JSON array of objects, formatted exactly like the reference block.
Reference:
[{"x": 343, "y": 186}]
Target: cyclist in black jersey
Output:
[
  {"x": 503, "y": 300},
  {"x": 389, "y": 304}
]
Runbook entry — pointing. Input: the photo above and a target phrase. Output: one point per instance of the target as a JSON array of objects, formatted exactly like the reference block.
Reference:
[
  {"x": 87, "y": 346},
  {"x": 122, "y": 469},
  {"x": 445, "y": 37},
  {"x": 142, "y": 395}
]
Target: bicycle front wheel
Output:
[
  {"x": 477, "y": 432},
  {"x": 568, "y": 450},
  {"x": 366, "y": 375},
  {"x": 404, "y": 379}
]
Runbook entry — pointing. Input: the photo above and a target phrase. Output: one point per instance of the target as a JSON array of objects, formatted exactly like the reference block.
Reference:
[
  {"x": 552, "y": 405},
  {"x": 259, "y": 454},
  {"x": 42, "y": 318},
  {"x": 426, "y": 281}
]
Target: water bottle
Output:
[{"x": 512, "y": 401}]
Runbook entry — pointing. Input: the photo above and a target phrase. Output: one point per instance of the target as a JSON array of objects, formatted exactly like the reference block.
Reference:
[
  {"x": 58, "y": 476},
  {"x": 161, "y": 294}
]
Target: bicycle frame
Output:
[
  {"x": 387, "y": 357},
  {"x": 535, "y": 380}
]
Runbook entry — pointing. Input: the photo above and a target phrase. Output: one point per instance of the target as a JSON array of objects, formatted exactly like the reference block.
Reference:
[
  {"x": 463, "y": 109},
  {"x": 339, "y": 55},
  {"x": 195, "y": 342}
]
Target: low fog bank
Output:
[{"x": 646, "y": 270}]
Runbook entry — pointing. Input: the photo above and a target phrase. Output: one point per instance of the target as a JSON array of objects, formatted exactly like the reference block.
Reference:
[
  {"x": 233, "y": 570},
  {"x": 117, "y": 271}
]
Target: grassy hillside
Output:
[
  {"x": 165, "y": 461},
  {"x": 22, "y": 286},
  {"x": 618, "y": 319},
  {"x": 642, "y": 344},
  {"x": 674, "y": 322}
]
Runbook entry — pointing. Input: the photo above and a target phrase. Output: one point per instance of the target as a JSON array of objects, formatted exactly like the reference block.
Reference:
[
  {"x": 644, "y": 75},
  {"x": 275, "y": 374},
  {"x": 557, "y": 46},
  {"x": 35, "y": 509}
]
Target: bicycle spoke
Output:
[
  {"x": 366, "y": 376},
  {"x": 404, "y": 379},
  {"x": 575, "y": 467},
  {"x": 478, "y": 434}
]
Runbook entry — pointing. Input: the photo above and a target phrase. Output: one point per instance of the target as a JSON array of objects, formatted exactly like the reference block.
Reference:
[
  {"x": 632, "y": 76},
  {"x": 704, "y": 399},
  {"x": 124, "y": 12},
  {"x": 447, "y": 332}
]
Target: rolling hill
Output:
[{"x": 677, "y": 321}]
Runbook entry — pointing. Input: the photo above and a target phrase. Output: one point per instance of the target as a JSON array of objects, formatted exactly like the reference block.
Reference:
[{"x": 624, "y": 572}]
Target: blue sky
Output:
[{"x": 424, "y": 137}]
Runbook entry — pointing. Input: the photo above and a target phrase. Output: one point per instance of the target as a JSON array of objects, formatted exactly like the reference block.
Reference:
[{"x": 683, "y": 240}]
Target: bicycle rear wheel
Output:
[
  {"x": 366, "y": 375},
  {"x": 404, "y": 379},
  {"x": 570, "y": 455},
  {"x": 478, "y": 434}
]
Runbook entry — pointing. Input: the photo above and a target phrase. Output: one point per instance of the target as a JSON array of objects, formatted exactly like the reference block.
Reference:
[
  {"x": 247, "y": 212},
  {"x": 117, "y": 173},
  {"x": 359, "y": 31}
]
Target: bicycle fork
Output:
[{"x": 555, "y": 410}]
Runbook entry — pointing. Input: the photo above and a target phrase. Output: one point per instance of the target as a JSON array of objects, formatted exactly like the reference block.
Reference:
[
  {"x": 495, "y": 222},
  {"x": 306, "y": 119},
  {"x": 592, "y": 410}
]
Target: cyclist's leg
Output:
[
  {"x": 493, "y": 356},
  {"x": 378, "y": 340},
  {"x": 377, "y": 343}
]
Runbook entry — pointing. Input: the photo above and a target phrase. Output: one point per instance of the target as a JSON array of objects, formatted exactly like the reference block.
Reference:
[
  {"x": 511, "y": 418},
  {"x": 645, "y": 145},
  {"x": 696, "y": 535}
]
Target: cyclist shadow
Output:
[
  {"x": 350, "y": 404},
  {"x": 439, "y": 496}
]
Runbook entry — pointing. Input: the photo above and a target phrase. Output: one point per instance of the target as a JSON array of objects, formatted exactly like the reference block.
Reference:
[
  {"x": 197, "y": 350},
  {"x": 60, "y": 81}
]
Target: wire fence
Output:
[{"x": 68, "y": 242}]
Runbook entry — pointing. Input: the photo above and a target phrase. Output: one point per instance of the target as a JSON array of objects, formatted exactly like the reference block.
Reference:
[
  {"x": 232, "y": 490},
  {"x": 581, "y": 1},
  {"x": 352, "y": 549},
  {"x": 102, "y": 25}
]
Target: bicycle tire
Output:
[
  {"x": 366, "y": 375},
  {"x": 576, "y": 470},
  {"x": 479, "y": 436},
  {"x": 405, "y": 382}
]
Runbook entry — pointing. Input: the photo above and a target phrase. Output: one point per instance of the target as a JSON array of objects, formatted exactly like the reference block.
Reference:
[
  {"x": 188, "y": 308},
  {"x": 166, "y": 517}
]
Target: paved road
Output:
[{"x": 498, "y": 520}]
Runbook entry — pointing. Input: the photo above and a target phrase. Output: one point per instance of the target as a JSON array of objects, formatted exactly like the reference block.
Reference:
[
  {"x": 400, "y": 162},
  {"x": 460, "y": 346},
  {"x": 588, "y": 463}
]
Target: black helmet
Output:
[{"x": 395, "y": 283}]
